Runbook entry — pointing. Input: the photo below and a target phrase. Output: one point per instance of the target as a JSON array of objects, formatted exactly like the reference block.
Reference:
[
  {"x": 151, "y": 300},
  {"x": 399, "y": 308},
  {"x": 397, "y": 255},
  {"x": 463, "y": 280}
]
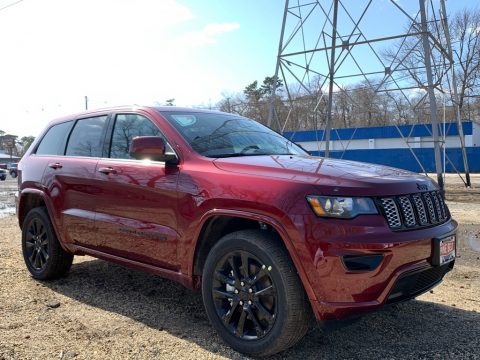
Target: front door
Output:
[{"x": 137, "y": 205}]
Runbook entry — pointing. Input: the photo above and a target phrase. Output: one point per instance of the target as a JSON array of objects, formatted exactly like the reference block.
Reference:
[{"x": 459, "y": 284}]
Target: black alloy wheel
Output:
[
  {"x": 244, "y": 295},
  {"x": 253, "y": 295},
  {"x": 36, "y": 244},
  {"x": 44, "y": 256}
]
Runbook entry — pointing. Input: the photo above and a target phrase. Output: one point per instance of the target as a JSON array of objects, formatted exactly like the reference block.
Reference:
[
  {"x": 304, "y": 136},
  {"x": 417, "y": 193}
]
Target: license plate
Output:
[{"x": 444, "y": 250}]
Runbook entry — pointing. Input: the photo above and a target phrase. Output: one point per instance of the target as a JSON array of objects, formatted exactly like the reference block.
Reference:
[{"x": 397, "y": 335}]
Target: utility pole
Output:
[{"x": 86, "y": 102}]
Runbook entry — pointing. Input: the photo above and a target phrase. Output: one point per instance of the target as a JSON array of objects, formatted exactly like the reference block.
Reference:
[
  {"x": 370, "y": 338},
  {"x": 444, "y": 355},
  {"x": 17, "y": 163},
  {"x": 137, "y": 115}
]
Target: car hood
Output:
[{"x": 331, "y": 176}]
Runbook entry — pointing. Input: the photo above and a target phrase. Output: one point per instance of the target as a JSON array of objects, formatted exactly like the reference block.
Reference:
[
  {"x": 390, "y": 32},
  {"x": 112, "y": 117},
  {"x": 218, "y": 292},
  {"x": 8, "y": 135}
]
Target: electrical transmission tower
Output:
[{"x": 328, "y": 45}]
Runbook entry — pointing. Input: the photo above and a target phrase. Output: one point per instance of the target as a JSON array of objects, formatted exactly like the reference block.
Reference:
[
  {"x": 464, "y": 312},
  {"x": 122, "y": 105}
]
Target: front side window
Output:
[
  {"x": 225, "y": 135},
  {"x": 53, "y": 143},
  {"x": 87, "y": 137},
  {"x": 128, "y": 126}
]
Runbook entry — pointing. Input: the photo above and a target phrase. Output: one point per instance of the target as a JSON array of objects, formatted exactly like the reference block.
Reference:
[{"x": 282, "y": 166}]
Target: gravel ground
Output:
[{"x": 104, "y": 311}]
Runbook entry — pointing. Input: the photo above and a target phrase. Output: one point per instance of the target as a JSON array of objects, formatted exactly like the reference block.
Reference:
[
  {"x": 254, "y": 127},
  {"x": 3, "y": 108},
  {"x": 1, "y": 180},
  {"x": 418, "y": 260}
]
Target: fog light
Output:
[{"x": 362, "y": 262}]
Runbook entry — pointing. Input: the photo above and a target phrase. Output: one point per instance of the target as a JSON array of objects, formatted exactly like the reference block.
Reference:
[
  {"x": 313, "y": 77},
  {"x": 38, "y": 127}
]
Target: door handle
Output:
[
  {"x": 55, "y": 166},
  {"x": 107, "y": 170}
]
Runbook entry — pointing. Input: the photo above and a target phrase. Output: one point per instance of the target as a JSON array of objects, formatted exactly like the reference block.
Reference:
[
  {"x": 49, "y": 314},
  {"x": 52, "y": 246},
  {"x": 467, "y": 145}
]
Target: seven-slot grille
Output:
[{"x": 412, "y": 211}]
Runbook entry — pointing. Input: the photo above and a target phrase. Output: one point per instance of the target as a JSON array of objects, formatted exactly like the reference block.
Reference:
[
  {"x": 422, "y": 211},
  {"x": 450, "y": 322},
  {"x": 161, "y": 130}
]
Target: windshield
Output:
[{"x": 225, "y": 135}]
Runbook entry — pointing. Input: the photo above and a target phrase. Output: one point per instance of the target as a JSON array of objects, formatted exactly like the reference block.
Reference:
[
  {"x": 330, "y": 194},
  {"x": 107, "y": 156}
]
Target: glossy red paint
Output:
[{"x": 150, "y": 215}]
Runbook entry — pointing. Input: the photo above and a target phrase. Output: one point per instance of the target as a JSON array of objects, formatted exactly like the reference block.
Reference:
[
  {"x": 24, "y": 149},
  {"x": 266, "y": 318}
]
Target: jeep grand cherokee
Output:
[{"x": 273, "y": 237}]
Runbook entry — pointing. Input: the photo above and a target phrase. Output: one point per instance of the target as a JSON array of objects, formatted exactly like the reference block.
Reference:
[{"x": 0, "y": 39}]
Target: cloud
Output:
[
  {"x": 208, "y": 35},
  {"x": 114, "y": 51}
]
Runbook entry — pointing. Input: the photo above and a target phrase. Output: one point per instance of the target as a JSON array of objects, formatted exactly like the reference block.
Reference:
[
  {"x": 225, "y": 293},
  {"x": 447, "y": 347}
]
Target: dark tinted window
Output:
[
  {"x": 225, "y": 135},
  {"x": 127, "y": 126},
  {"x": 53, "y": 143},
  {"x": 87, "y": 137}
]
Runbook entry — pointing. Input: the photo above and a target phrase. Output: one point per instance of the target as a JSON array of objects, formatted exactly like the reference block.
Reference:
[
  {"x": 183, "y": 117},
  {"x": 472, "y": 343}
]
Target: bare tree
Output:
[{"x": 465, "y": 33}]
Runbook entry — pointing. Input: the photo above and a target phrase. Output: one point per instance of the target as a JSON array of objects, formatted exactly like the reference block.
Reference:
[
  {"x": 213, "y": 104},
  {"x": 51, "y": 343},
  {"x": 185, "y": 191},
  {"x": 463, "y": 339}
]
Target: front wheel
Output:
[
  {"x": 43, "y": 254},
  {"x": 253, "y": 295}
]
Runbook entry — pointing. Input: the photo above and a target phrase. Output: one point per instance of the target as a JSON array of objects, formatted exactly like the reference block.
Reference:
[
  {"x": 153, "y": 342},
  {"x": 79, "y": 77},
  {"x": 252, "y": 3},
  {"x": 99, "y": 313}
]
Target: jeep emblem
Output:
[{"x": 423, "y": 187}]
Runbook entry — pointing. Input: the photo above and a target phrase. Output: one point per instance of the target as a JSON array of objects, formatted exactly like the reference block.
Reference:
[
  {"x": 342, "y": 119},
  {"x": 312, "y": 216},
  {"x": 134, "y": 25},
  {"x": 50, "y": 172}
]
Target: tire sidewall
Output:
[{"x": 221, "y": 249}]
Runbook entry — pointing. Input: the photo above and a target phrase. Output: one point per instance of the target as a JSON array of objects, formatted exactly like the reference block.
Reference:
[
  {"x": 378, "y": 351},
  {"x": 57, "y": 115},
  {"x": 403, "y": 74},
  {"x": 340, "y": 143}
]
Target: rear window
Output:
[
  {"x": 53, "y": 143},
  {"x": 87, "y": 137}
]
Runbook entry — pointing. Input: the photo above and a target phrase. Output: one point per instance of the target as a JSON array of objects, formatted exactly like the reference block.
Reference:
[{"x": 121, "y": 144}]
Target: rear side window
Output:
[
  {"x": 53, "y": 143},
  {"x": 87, "y": 137},
  {"x": 127, "y": 126}
]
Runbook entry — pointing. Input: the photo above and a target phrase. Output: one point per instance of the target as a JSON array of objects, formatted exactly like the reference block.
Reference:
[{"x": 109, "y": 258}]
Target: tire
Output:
[
  {"x": 263, "y": 311},
  {"x": 43, "y": 254}
]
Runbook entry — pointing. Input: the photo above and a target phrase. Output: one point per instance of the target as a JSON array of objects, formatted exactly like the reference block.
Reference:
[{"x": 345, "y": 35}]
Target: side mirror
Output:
[{"x": 151, "y": 148}]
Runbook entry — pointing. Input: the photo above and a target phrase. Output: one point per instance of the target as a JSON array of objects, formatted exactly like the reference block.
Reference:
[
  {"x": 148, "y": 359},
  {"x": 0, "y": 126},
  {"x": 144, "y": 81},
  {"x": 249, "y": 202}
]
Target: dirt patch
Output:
[{"x": 104, "y": 311}]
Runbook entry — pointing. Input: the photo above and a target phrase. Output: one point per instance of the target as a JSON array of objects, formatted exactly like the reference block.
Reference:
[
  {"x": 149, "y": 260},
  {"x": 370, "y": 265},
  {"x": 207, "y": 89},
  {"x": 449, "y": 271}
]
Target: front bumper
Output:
[
  {"x": 405, "y": 271},
  {"x": 403, "y": 286}
]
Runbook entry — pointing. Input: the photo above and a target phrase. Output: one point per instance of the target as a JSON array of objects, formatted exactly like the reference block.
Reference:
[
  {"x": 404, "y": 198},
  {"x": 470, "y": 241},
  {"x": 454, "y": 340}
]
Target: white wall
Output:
[{"x": 391, "y": 143}]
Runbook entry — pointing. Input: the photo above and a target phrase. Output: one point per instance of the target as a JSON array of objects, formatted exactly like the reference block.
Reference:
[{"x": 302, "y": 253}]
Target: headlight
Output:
[{"x": 341, "y": 207}]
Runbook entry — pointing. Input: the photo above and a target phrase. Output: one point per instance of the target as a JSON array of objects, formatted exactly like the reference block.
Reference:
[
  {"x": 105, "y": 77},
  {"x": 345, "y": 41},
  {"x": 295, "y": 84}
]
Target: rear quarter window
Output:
[
  {"x": 53, "y": 143},
  {"x": 87, "y": 137}
]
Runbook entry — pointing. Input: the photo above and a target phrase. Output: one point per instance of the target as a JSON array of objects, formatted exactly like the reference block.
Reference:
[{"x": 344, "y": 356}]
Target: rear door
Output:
[
  {"x": 70, "y": 180},
  {"x": 136, "y": 210}
]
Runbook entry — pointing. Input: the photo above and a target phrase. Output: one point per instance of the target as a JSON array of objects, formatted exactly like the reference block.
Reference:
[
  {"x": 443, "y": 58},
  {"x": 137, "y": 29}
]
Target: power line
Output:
[{"x": 9, "y": 5}]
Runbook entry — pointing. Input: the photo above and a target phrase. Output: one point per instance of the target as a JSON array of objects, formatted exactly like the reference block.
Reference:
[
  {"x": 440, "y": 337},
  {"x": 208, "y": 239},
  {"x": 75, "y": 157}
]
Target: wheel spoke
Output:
[
  {"x": 44, "y": 253},
  {"x": 41, "y": 259},
  {"x": 268, "y": 291},
  {"x": 258, "y": 327},
  {"x": 260, "y": 274},
  {"x": 224, "y": 279},
  {"x": 29, "y": 244},
  {"x": 41, "y": 229},
  {"x": 244, "y": 268},
  {"x": 234, "y": 267},
  {"x": 241, "y": 324},
  {"x": 36, "y": 263},
  {"x": 35, "y": 226},
  {"x": 228, "y": 315},
  {"x": 264, "y": 312},
  {"x": 222, "y": 294},
  {"x": 31, "y": 258},
  {"x": 30, "y": 235},
  {"x": 43, "y": 235}
]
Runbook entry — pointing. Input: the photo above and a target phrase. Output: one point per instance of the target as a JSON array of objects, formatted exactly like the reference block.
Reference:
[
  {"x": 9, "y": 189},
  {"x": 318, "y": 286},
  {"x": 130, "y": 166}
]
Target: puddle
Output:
[
  {"x": 6, "y": 210},
  {"x": 474, "y": 242}
]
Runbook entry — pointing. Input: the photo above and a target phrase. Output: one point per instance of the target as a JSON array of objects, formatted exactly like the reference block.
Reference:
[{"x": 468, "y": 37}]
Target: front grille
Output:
[
  {"x": 414, "y": 211},
  {"x": 417, "y": 282}
]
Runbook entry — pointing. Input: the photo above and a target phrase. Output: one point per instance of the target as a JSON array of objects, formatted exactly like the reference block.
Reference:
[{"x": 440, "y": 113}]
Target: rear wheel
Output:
[
  {"x": 253, "y": 295},
  {"x": 43, "y": 255}
]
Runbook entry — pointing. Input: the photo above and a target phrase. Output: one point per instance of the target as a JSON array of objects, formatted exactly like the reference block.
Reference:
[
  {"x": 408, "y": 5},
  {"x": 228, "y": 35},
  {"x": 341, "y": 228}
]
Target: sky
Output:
[{"x": 117, "y": 52}]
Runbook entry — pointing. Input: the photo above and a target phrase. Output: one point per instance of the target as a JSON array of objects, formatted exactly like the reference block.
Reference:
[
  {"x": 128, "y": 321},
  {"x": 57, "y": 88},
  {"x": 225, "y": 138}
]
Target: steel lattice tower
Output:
[{"x": 335, "y": 42}]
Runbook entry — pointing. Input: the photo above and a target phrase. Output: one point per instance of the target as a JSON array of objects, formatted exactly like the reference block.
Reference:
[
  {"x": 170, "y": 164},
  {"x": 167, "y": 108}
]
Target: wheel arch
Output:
[
  {"x": 217, "y": 223},
  {"x": 29, "y": 199},
  {"x": 32, "y": 198}
]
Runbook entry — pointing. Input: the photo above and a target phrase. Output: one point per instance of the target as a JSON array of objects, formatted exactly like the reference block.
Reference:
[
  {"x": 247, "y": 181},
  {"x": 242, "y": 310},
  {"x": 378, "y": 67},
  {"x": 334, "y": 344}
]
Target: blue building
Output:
[{"x": 396, "y": 145}]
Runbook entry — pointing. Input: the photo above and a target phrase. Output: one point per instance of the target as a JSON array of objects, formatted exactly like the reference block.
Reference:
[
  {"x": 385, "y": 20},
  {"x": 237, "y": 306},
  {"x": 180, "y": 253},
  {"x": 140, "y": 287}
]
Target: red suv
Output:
[{"x": 272, "y": 236}]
